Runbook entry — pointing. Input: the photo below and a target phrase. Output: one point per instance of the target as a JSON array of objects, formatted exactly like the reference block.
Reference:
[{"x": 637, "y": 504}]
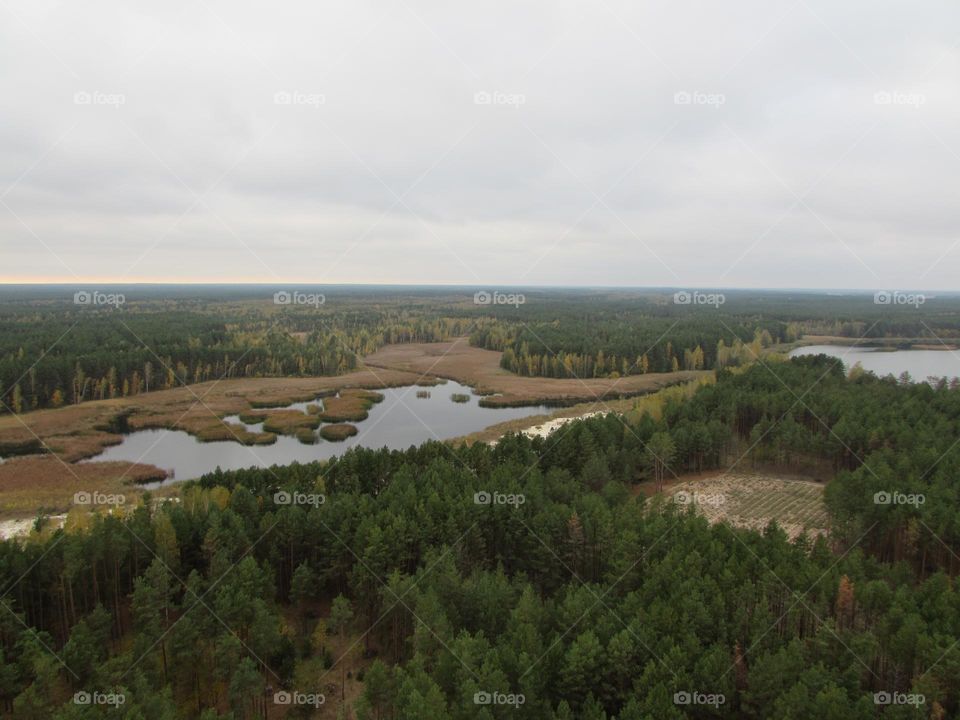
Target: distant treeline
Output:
[
  {"x": 50, "y": 357},
  {"x": 54, "y": 353},
  {"x": 591, "y": 348},
  {"x": 614, "y": 334}
]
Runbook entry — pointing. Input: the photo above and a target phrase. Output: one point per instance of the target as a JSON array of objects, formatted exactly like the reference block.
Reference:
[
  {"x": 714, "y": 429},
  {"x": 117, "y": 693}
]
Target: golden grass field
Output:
[
  {"x": 37, "y": 482},
  {"x": 480, "y": 369}
]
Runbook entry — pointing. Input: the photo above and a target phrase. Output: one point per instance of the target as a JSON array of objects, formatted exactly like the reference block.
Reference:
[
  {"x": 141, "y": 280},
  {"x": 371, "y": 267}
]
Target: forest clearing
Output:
[{"x": 752, "y": 501}]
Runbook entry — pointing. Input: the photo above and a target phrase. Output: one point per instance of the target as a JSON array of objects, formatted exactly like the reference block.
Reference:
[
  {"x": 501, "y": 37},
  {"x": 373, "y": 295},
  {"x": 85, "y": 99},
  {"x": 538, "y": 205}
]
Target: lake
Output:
[
  {"x": 921, "y": 364},
  {"x": 399, "y": 421}
]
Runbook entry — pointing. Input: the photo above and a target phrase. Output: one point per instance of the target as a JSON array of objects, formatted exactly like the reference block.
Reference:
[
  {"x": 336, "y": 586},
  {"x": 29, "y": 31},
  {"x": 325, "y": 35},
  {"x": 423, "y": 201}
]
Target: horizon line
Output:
[{"x": 306, "y": 283}]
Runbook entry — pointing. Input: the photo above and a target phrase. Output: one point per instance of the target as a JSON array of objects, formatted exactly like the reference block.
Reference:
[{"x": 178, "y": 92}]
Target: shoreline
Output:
[{"x": 882, "y": 344}]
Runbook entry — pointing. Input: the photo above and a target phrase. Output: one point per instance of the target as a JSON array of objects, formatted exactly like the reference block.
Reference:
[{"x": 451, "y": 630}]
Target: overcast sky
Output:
[{"x": 669, "y": 143}]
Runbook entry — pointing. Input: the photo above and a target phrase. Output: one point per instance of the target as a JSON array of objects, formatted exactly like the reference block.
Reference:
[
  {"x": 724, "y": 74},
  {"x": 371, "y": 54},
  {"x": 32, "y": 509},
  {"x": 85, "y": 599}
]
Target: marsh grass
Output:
[
  {"x": 338, "y": 431},
  {"x": 234, "y": 433},
  {"x": 349, "y": 406},
  {"x": 306, "y": 435}
]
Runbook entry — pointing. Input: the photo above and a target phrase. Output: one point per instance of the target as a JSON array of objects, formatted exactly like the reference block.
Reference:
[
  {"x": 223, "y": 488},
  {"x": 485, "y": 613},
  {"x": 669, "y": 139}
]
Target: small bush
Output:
[{"x": 306, "y": 436}]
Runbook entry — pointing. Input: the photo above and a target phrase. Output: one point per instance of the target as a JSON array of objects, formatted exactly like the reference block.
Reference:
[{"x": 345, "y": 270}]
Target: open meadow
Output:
[{"x": 480, "y": 369}]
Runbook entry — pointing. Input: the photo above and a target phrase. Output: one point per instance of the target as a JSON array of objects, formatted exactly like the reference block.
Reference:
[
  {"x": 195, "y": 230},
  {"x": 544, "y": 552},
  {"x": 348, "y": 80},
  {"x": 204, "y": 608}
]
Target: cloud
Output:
[{"x": 768, "y": 144}]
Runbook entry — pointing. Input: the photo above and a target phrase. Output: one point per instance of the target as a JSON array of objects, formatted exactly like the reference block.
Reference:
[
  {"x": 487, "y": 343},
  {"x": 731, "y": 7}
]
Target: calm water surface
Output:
[
  {"x": 921, "y": 364},
  {"x": 401, "y": 420}
]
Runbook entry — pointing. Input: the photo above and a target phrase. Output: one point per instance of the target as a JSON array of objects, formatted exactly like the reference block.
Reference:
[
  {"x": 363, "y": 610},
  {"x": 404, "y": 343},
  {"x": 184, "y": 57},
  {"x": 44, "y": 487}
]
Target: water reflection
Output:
[{"x": 402, "y": 419}]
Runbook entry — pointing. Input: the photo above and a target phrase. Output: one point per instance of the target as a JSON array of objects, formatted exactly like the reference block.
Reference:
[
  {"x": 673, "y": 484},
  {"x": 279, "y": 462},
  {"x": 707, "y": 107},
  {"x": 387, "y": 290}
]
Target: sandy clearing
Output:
[
  {"x": 544, "y": 429},
  {"x": 753, "y": 500},
  {"x": 21, "y": 527}
]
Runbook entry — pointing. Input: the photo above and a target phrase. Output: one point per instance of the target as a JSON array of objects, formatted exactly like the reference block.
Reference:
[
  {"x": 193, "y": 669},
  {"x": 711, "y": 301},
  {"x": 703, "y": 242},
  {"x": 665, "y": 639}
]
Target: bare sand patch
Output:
[
  {"x": 544, "y": 429},
  {"x": 752, "y": 501}
]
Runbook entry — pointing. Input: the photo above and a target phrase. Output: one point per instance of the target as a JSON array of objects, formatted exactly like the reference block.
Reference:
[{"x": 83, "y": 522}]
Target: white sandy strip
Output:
[
  {"x": 551, "y": 425},
  {"x": 24, "y": 526}
]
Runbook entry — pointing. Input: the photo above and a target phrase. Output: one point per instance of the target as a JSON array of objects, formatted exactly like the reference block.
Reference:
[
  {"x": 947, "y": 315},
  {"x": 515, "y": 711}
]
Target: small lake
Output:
[
  {"x": 399, "y": 421},
  {"x": 921, "y": 364}
]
